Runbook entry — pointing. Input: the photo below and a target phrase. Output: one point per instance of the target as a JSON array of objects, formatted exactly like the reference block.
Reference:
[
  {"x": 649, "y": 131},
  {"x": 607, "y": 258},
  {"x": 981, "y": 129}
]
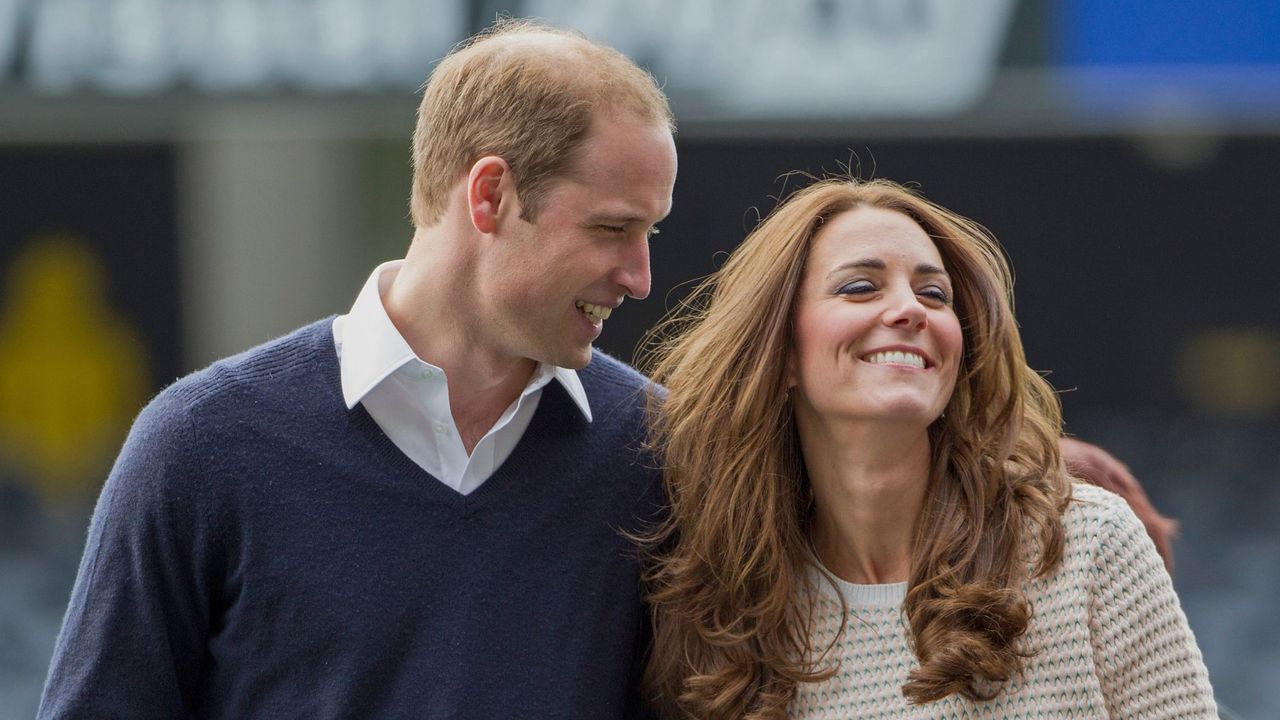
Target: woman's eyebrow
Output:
[
  {"x": 871, "y": 263},
  {"x": 878, "y": 264}
]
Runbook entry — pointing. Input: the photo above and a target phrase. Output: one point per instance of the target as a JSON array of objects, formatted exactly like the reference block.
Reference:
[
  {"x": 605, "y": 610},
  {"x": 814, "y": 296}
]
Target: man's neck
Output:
[
  {"x": 478, "y": 399},
  {"x": 483, "y": 382}
]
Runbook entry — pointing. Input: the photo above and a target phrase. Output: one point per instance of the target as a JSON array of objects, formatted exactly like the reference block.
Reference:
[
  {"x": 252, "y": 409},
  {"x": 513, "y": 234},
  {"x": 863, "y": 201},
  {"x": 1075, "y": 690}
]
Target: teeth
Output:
[
  {"x": 896, "y": 357},
  {"x": 597, "y": 313}
]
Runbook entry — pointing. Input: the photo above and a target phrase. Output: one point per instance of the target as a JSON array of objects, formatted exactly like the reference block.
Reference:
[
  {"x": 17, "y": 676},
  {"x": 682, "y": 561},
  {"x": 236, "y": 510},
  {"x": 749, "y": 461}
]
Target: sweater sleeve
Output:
[
  {"x": 133, "y": 639},
  {"x": 1143, "y": 648}
]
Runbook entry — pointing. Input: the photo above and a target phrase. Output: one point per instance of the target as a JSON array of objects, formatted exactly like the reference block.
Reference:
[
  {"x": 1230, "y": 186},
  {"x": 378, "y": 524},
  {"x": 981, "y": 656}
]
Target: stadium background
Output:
[{"x": 182, "y": 179}]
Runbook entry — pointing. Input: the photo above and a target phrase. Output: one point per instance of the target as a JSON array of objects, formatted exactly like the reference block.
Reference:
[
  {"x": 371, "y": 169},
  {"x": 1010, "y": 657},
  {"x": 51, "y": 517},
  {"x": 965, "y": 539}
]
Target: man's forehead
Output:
[{"x": 641, "y": 196}]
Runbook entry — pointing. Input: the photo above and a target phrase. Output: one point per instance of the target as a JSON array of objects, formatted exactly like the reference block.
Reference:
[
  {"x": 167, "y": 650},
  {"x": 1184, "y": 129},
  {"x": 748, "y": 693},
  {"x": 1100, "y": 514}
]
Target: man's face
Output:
[{"x": 553, "y": 281}]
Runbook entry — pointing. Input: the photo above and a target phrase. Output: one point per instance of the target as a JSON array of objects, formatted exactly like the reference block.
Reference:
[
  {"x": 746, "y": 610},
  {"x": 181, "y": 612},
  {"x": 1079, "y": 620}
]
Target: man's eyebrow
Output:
[{"x": 623, "y": 219}]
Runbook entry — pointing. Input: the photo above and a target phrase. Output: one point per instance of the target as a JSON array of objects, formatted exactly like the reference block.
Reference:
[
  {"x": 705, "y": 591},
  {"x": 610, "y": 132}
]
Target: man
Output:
[{"x": 418, "y": 508}]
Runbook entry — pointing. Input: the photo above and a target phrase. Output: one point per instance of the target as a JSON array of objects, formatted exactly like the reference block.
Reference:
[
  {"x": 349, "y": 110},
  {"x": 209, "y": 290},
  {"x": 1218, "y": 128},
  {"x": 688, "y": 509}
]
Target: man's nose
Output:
[{"x": 633, "y": 270}]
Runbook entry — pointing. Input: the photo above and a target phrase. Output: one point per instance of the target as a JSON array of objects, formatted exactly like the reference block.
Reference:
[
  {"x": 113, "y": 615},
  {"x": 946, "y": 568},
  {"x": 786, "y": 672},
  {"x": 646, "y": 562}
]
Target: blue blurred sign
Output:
[
  {"x": 1170, "y": 32},
  {"x": 1149, "y": 57}
]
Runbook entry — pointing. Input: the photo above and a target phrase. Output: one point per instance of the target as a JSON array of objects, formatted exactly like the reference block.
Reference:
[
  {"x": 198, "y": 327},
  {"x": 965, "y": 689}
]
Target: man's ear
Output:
[{"x": 490, "y": 193}]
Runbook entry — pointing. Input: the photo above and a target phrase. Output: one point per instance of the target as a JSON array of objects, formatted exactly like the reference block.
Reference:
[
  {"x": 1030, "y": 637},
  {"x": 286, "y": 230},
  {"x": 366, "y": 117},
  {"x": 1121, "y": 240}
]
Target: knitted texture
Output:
[
  {"x": 1108, "y": 636},
  {"x": 261, "y": 551}
]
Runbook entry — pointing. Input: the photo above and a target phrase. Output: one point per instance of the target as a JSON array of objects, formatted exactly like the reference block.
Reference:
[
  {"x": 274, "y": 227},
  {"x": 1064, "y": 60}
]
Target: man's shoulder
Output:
[
  {"x": 614, "y": 385},
  {"x": 609, "y": 373},
  {"x": 284, "y": 366},
  {"x": 224, "y": 420}
]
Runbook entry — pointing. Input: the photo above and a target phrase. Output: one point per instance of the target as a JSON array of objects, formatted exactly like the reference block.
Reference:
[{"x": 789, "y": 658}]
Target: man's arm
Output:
[
  {"x": 133, "y": 640},
  {"x": 1098, "y": 467}
]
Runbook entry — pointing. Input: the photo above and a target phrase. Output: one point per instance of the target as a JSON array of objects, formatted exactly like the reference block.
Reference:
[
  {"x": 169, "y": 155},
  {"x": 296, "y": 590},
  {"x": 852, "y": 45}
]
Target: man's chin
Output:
[
  {"x": 570, "y": 358},
  {"x": 577, "y": 360}
]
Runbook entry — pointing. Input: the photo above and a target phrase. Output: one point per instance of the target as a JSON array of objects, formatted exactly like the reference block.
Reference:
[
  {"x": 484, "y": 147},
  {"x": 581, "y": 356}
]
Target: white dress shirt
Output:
[{"x": 409, "y": 398}]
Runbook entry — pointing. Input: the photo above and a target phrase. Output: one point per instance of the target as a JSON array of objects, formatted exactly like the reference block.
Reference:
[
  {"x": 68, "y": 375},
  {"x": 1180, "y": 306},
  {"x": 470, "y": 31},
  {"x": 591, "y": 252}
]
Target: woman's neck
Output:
[{"x": 868, "y": 484}]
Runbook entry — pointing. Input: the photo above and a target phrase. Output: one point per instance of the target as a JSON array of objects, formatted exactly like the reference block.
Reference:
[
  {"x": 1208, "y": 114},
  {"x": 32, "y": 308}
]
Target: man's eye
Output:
[
  {"x": 613, "y": 228},
  {"x": 857, "y": 287}
]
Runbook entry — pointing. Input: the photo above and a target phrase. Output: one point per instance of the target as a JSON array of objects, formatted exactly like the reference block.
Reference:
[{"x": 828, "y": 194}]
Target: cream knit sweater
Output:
[{"x": 1109, "y": 638}]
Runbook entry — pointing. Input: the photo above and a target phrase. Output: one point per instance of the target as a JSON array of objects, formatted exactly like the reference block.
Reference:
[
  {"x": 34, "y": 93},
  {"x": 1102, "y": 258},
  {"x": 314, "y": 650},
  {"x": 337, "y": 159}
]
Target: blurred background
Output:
[{"x": 183, "y": 179}]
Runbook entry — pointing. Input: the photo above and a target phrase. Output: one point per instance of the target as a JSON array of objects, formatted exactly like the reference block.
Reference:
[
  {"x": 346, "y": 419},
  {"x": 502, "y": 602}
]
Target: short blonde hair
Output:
[{"x": 526, "y": 92}]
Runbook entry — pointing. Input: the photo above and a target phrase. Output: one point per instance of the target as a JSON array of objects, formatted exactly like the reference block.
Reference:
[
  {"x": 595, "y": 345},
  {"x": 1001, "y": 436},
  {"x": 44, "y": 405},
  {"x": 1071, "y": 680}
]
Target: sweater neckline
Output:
[
  {"x": 883, "y": 595},
  {"x": 880, "y": 595},
  {"x": 551, "y": 411}
]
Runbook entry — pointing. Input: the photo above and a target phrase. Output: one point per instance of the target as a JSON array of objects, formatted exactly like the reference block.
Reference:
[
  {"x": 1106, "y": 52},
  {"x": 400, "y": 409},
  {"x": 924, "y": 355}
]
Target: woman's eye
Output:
[
  {"x": 613, "y": 228},
  {"x": 936, "y": 293},
  {"x": 857, "y": 287}
]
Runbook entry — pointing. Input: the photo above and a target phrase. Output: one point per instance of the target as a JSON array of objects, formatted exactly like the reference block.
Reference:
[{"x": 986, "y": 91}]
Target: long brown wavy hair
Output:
[{"x": 730, "y": 578}]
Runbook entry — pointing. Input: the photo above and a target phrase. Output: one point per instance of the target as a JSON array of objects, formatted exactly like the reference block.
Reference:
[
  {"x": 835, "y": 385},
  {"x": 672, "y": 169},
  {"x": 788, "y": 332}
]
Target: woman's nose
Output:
[{"x": 906, "y": 311}]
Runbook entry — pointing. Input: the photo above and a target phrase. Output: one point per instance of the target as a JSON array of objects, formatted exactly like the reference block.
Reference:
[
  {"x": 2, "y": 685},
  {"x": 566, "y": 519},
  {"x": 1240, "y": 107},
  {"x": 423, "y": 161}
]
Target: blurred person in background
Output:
[
  {"x": 417, "y": 508},
  {"x": 870, "y": 514}
]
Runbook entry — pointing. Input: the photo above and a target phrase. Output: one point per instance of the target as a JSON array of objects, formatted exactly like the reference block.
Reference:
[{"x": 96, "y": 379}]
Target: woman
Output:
[{"x": 869, "y": 508}]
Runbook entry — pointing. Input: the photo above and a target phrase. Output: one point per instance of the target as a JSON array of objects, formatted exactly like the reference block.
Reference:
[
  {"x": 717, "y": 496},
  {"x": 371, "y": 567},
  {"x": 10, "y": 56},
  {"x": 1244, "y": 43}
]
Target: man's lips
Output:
[{"x": 597, "y": 313}]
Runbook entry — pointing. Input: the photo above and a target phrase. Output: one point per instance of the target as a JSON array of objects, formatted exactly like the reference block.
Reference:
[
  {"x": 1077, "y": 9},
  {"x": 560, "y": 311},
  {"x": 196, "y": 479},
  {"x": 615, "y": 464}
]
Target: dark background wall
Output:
[
  {"x": 1123, "y": 259},
  {"x": 118, "y": 203}
]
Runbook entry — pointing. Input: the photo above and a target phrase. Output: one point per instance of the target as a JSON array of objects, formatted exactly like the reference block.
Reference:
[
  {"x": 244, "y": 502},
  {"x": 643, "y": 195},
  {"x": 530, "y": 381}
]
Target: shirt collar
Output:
[
  {"x": 370, "y": 348},
  {"x": 572, "y": 385}
]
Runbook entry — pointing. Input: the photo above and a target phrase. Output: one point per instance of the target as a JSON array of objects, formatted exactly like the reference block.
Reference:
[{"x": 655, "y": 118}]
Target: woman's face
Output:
[{"x": 876, "y": 334}]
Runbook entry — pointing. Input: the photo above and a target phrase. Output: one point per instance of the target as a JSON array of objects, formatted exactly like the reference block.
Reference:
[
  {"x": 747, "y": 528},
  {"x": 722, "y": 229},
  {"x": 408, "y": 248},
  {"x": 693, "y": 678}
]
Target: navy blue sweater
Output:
[{"x": 260, "y": 551}]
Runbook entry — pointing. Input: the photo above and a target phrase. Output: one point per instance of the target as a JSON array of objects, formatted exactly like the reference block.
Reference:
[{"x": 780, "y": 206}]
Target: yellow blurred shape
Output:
[
  {"x": 72, "y": 372},
  {"x": 1232, "y": 372}
]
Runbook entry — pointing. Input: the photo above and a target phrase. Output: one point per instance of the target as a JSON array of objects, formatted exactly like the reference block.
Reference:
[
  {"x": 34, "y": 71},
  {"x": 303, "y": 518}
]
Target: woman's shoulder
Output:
[
  {"x": 1093, "y": 503},
  {"x": 1092, "y": 506},
  {"x": 1101, "y": 537},
  {"x": 1099, "y": 523}
]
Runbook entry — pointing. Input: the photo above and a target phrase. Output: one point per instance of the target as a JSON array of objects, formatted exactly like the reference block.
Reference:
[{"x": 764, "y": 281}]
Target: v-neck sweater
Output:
[{"x": 261, "y": 551}]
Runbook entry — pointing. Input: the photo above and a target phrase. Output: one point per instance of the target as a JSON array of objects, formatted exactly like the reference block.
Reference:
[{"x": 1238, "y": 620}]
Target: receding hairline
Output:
[
  {"x": 541, "y": 39},
  {"x": 565, "y": 54}
]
